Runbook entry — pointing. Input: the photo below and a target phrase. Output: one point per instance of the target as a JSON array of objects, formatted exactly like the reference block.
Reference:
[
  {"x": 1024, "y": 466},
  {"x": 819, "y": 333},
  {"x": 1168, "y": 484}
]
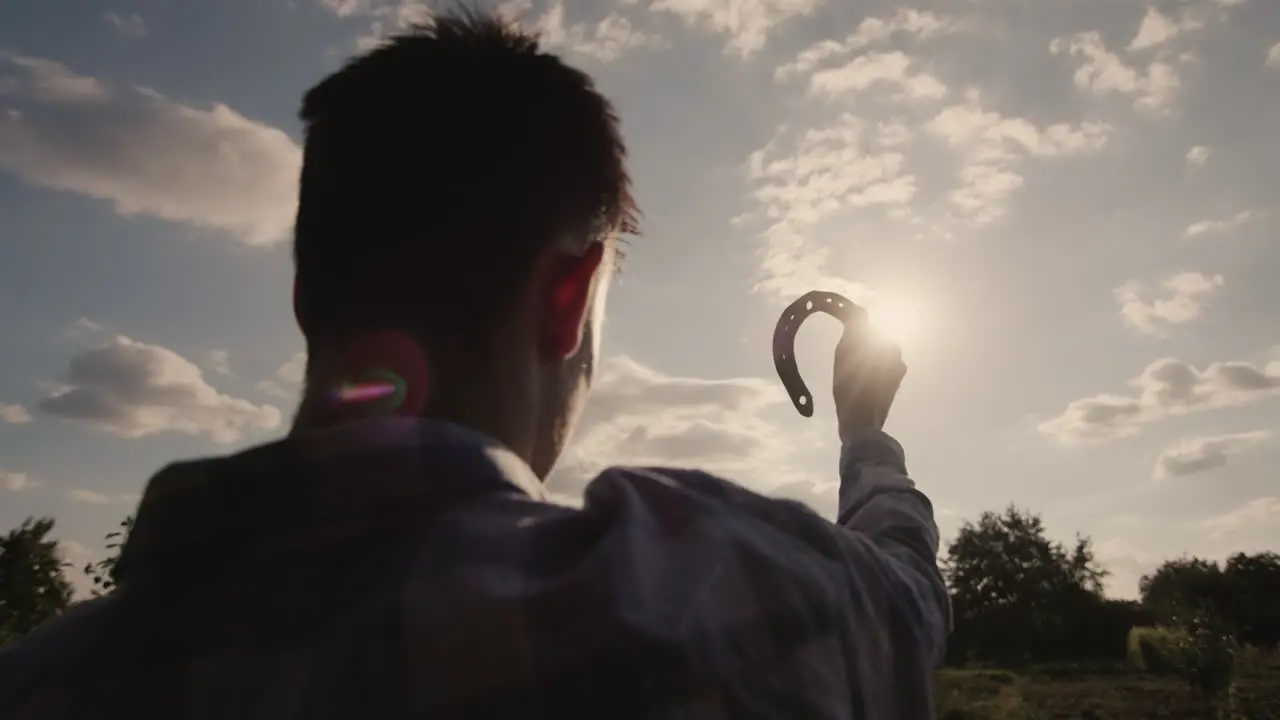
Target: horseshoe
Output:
[{"x": 784, "y": 340}]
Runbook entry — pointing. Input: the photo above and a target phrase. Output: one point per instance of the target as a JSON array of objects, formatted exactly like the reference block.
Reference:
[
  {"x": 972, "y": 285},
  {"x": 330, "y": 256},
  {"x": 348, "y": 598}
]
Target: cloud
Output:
[
  {"x": 1273, "y": 56},
  {"x": 132, "y": 25},
  {"x": 1262, "y": 511},
  {"x": 606, "y": 40},
  {"x": 220, "y": 361},
  {"x": 993, "y": 146},
  {"x": 88, "y": 497},
  {"x": 16, "y": 481},
  {"x": 133, "y": 389},
  {"x": 288, "y": 378},
  {"x": 1148, "y": 315},
  {"x": 1158, "y": 29},
  {"x": 746, "y": 23},
  {"x": 891, "y": 69},
  {"x": 1216, "y": 227},
  {"x": 92, "y": 497},
  {"x": 1199, "y": 155},
  {"x": 1127, "y": 563},
  {"x": 146, "y": 154},
  {"x": 1196, "y": 455},
  {"x": 639, "y": 416},
  {"x": 1102, "y": 72},
  {"x": 72, "y": 549},
  {"x": 917, "y": 24},
  {"x": 14, "y": 414},
  {"x": 801, "y": 178},
  {"x": 1165, "y": 388}
]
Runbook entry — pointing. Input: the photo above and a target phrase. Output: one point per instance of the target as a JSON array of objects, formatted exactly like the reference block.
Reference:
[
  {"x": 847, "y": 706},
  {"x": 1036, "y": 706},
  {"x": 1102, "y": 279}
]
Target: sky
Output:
[{"x": 1064, "y": 211}]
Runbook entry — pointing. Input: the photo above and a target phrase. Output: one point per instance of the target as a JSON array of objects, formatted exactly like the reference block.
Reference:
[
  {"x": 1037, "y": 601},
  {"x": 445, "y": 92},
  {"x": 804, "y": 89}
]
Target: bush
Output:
[
  {"x": 1209, "y": 658},
  {"x": 1156, "y": 650}
]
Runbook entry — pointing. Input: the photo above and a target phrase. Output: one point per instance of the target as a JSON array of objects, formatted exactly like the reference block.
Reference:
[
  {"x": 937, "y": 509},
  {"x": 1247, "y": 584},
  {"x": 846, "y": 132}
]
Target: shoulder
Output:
[
  {"x": 694, "y": 488},
  {"x": 696, "y": 506},
  {"x": 30, "y": 667}
]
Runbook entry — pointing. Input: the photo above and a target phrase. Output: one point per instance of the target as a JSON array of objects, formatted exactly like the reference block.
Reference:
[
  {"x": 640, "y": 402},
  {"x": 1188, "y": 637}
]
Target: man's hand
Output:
[{"x": 868, "y": 371}]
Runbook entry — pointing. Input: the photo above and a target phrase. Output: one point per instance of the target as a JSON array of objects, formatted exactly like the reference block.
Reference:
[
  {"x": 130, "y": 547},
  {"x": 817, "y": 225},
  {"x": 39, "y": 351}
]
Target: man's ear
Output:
[{"x": 569, "y": 300}]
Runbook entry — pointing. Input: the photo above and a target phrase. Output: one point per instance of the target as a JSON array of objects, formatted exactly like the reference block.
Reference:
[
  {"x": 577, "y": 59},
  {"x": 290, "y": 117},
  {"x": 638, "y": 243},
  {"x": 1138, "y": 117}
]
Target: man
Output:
[{"x": 461, "y": 202}]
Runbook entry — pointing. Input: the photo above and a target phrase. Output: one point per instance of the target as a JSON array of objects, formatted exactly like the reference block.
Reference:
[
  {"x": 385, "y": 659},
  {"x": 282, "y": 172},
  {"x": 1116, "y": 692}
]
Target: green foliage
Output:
[
  {"x": 33, "y": 585},
  {"x": 1208, "y": 655},
  {"x": 1184, "y": 587},
  {"x": 1253, "y": 597},
  {"x": 103, "y": 572},
  {"x": 1086, "y": 695},
  {"x": 1005, "y": 573},
  {"x": 1157, "y": 650}
]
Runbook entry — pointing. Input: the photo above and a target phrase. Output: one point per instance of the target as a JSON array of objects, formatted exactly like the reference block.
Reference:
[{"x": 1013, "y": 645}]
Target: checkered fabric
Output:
[{"x": 399, "y": 568}]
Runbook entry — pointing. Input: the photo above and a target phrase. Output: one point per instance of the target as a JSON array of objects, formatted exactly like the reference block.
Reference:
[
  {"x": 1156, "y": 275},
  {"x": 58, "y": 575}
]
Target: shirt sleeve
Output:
[{"x": 891, "y": 547}]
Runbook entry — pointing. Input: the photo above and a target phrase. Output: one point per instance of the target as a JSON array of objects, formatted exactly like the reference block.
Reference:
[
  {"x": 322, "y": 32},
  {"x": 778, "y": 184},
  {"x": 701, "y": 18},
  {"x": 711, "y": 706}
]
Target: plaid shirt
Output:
[{"x": 398, "y": 568}]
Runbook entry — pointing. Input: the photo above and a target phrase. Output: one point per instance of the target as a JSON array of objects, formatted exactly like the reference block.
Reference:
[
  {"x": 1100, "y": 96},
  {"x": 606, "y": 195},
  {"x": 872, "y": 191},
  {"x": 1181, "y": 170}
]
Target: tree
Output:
[
  {"x": 103, "y": 572},
  {"x": 33, "y": 586},
  {"x": 1004, "y": 573},
  {"x": 1253, "y": 582},
  {"x": 1185, "y": 587}
]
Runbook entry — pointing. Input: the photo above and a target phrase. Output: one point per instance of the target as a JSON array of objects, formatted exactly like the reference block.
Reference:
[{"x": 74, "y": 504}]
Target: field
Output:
[{"x": 1048, "y": 693}]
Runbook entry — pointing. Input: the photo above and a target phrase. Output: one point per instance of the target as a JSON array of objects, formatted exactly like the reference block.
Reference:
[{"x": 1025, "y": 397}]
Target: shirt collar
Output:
[{"x": 338, "y": 479}]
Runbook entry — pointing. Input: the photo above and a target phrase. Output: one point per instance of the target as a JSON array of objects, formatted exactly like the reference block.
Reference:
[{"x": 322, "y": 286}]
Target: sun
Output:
[{"x": 895, "y": 319}]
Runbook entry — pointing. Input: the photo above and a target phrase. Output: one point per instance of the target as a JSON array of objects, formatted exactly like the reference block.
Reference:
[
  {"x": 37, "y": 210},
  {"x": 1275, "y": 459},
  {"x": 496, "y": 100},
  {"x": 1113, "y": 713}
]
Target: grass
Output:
[{"x": 1118, "y": 693}]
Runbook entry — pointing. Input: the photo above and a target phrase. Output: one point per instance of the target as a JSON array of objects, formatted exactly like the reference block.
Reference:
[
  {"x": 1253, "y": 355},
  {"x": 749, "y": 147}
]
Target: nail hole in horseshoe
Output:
[
  {"x": 808, "y": 305},
  {"x": 804, "y": 400}
]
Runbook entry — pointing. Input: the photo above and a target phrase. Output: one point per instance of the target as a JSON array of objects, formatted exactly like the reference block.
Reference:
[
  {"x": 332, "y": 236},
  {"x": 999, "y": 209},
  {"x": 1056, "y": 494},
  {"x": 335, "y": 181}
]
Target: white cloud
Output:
[
  {"x": 16, "y": 481},
  {"x": 146, "y": 154},
  {"x": 892, "y": 69},
  {"x": 1215, "y": 227},
  {"x": 89, "y": 497},
  {"x": 72, "y": 549},
  {"x": 1158, "y": 29},
  {"x": 995, "y": 145},
  {"x": 1186, "y": 293},
  {"x": 1273, "y": 56},
  {"x": 133, "y": 390},
  {"x": 132, "y": 25},
  {"x": 1165, "y": 387},
  {"x": 288, "y": 378},
  {"x": 638, "y": 416},
  {"x": 747, "y": 23},
  {"x": 800, "y": 178},
  {"x": 1102, "y": 72},
  {"x": 1198, "y": 155},
  {"x": 92, "y": 497},
  {"x": 606, "y": 40},
  {"x": 1196, "y": 455},
  {"x": 1127, "y": 563},
  {"x": 920, "y": 25},
  {"x": 220, "y": 361},
  {"x": 1263, "y": 511},
  {"x": 347, "y": 8},
  {"x": 14, "y": 414}
]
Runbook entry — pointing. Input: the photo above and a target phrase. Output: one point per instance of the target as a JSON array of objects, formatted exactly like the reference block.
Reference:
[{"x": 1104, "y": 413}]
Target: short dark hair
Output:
[{"x": 437, "y": 166}]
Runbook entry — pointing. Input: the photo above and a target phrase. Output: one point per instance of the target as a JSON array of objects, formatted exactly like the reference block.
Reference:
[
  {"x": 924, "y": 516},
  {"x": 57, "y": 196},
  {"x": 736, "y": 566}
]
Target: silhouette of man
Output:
[{"x": 462, "y": 198}]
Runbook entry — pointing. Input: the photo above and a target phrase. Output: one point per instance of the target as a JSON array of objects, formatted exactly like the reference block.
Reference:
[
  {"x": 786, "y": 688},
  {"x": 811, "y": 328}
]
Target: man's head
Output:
[{"x": 466, "y": 191}]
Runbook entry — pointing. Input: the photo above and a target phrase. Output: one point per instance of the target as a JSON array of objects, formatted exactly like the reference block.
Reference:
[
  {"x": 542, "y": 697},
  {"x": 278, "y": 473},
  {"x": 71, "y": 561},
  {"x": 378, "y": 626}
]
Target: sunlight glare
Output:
[{"x": 895, "y": 320}]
